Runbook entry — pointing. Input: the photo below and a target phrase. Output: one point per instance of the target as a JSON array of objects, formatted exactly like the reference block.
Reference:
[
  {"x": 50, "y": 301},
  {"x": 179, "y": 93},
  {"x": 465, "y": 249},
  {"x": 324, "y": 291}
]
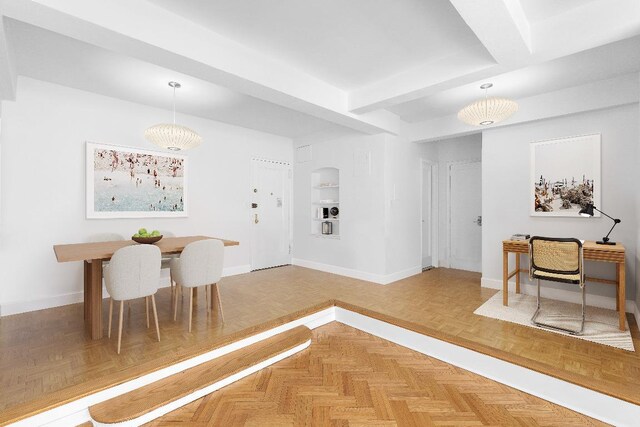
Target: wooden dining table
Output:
[{"x": 93, "y": 254}]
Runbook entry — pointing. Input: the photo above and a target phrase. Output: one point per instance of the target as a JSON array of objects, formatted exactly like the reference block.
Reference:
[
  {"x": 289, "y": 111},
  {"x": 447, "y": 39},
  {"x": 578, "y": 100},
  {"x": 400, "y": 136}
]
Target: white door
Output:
[
  {"x": 270, "y": 213},
  {"x": 427, "y": 216},
  {"x": 465, "y": 216}
]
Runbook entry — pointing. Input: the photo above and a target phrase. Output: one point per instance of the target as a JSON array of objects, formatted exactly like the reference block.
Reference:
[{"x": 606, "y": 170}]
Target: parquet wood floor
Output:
[
  {"x": 350, "y": 378},
  {"x": 46, "y": 357},
  {"x": 143, "y": 400}
]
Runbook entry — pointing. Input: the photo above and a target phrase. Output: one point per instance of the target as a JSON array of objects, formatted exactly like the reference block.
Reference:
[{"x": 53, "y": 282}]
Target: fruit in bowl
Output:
[{"x": 143, "y": 236}]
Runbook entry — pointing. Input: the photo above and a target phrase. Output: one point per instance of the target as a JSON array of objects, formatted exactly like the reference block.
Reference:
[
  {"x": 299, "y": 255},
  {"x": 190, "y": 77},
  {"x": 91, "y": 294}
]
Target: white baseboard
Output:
[
  {"x": 235, "y": 270},
  {"x": 561, "y": 295},
  {"x": 381, "y": 279},
  {"x": 40, "y": 303},
  {"x": 597, "y": 405},
  {"x": 18, "y": 307}
]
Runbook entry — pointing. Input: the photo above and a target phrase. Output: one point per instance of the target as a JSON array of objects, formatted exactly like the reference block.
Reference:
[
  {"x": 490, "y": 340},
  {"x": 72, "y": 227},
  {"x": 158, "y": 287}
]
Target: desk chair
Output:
[
  {"x": 557, "y": 260},
  {"x": 134, "y": 272},
  {"x": 199, "y": 264}
]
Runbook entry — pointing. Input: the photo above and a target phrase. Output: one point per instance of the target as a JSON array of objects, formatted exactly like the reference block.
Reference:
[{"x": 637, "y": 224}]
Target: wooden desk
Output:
[
  {"x": 591, "y": 252},
  {"x": 94, "y": 253}
]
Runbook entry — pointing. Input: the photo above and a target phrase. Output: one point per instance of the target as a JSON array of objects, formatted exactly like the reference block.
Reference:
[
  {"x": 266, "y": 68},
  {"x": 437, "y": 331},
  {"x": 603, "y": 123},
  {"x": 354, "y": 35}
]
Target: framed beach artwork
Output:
[
  {"x": 125, "y": 182},
  {"x": 565, "y": 175}
]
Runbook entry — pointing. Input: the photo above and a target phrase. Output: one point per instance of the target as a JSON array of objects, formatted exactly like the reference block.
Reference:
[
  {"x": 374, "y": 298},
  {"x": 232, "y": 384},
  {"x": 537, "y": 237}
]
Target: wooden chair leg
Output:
[
  {"x": 175, "y": 303},
  {"x": 190, "y": 307},
  {"x": 146, "y": 307},
  {"x": 155, "y": 315},
  {"x": 219, "y": 300},
  {"x": 120, "y": 325},
  {"x": 110, "y": 316},
  {"x": 207, "y": 295}
]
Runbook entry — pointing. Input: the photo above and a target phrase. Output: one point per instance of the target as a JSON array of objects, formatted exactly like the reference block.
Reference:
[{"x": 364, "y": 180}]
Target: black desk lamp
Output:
[{"x": 588, "y": 211}]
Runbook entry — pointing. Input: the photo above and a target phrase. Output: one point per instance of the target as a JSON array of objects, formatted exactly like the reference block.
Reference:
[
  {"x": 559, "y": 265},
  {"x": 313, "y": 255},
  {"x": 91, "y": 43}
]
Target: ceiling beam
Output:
[
  {"x": 505, "y": 43},
  {"x": 597, "y": 23},
  {"x": 452, "y": 71},
  {"x": 8, "y": 76},
  {"x": 501, "y": 27},
  {"x": 155, "y": 35},
  {"x": 599, "y": 95}
]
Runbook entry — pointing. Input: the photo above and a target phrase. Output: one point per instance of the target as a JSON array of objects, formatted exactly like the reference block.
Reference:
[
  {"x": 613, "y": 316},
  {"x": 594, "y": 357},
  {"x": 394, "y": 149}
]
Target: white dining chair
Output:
[
  {"x": 166, "y": 258},
  {"x": 199, "y": 264},
  {"x": 134, "y": 272}
]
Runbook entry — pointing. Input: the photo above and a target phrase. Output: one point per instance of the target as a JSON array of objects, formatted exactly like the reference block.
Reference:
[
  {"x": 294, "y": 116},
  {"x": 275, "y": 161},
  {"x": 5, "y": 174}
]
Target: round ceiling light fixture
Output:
[
  {"x": 487, "y": 111},
  {"x": 170, "y": 135}
]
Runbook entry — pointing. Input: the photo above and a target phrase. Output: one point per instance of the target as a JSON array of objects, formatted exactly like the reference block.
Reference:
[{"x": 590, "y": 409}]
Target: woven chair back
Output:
[{"x": 555, "y": 255}]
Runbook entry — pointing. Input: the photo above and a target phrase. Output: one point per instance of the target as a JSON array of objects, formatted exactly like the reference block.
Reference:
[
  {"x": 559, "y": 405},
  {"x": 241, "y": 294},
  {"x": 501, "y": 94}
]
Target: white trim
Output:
[
  {"x": 78, "y": 410},
  {"x": 381, "y": 279},
  {"x": 560, "y": 294},
  {"x": 597, "y": 405},
  {"x": 78, "y": 297},
  {"x": 435, "y": 210},
  {"x": 236, "y": 269},
  {"x": 176, "y": 404},
  {"x": 18, "y": 307},
  {"x": 448, "y": 207}
]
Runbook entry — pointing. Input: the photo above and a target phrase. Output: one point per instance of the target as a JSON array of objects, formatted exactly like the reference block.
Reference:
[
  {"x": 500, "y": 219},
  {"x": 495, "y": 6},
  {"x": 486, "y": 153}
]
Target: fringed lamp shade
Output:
[
  {"x": 487, "y": 111},
  {"x": 173, "y": 137}
]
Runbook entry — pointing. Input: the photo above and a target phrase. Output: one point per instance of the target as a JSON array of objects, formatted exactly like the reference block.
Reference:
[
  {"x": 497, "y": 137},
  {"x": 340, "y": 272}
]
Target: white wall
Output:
[
  {"x": 43, "y": 184},
  {"x": 402, "y": 206},
  {"x": 379, "y": 208},
  {"x": 505, "y": 190},
  {"x": 637, "y": 179},
  {"x": 360, "y": 247},
  {"x": 464, "y": 148}
]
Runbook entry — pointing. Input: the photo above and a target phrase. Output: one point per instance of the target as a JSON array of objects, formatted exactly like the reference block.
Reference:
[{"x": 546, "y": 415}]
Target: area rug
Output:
[{"x": 600, "y": 326}]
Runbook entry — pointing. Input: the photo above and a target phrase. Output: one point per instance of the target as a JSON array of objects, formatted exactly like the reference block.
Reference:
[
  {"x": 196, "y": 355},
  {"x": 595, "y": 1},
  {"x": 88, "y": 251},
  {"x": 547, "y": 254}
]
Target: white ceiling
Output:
[
  {"x": 347, "y": 43},
  {"x": 539, "y": 10},
  {"x": 574, "y": 70},
  {"x": 302, "y": 67},
  {"x": 51, "y": 57}
]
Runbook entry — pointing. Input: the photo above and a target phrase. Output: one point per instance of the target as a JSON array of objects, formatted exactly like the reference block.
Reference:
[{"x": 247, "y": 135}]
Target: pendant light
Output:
[
  {"x": 487, "y": 111},
  {"x": 172, "y": 136}
]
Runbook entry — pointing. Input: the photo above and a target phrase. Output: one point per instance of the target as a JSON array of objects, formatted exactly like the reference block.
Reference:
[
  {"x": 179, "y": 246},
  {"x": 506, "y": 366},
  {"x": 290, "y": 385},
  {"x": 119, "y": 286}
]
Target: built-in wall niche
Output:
[{"x": 325, "y": 203}]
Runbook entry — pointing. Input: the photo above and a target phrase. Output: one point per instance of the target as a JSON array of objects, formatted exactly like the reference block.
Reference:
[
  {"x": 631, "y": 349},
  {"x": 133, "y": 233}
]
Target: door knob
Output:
[{"x": 255, "y": 219}]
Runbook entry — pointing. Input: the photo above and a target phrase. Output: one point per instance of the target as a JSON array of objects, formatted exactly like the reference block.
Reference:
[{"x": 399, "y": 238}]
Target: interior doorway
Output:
[
  {"x": 429, "y": 216},
  {"x": 465, "y": 215},
  {"x": 270, "y": 213}
]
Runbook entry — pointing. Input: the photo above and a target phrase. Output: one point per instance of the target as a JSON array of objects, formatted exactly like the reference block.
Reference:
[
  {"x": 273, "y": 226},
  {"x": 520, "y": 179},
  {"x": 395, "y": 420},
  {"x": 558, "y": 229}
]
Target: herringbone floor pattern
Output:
[{"x": 350, "y": 378}]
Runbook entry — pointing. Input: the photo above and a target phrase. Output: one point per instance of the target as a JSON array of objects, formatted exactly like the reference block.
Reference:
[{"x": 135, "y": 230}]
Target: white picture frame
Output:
[
  {"x": 563, "y": 171},
  {"x": 128, "y": 183}
]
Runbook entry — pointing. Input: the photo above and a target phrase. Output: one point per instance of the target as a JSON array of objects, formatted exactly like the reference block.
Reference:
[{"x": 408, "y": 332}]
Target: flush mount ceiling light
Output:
[
  {"x": 172, "y": 136},
  {"x": 487, "y": 111}
]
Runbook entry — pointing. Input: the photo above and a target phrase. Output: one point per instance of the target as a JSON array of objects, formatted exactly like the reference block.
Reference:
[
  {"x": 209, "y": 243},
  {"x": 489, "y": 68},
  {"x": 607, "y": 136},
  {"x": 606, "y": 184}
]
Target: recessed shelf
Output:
[
  {"x": 325, "y": 196},
  {"x": 326, "y": 236}
]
